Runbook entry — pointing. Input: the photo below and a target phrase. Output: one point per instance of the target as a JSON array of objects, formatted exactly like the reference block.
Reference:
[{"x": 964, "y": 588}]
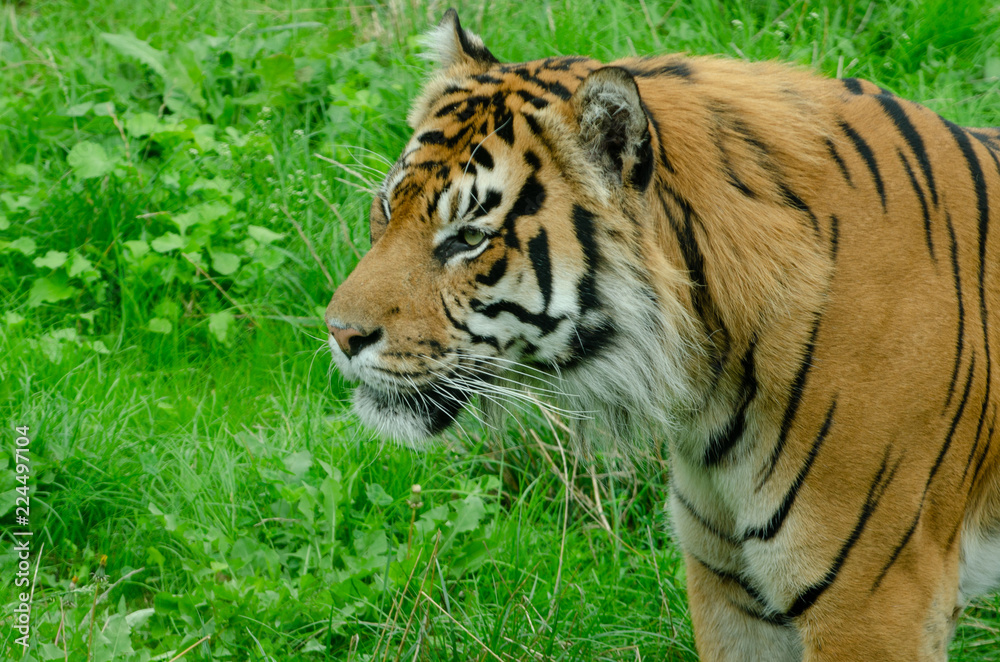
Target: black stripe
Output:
[
  {"x": 983, "y": 207},
  {"x": 954, "y": 422},
  {"x": 736, "y": 182},
  {"x": 533, "y": 124},
  {"x": 586, "y": 234},
  {"x": 899, "y": 548},
  {"x": 698, "y": 517},
  {"x": 923, "y": 202},
  {"x": 726, "y": 439},
  {"x": 839, "y": 161},
  {"x": 692, "y": 254},
  {"x": 552, "y": 87},
  {"x": 796, "y": 202},
  {"x": 487, "y": 79},
  {"x": 794, "y": 398},
  {"x": 853, "y": 85},
  {"x": 564, "y": 63},
  {"x": 504, "y": 128},
  {"x": 834, "y": 236},
  {"x": 642, "y": 170},
  {"x": 912, "y": 137},
  {"x": 937, "y": 463},
  {"x": 664, "y": 161},
  {"x": 986, "y": 449},
  {"x": 538, "y": 254},
  {"x": 495, "y": 273},
  {"x": 529, "y": 200},
  {"x": 532, "y": 160},
  {"x": 473, "y": 337},
  {"x": 587, "y": 342},
  {"x": 960, "y": 336},
  {"x": 979, "y": 438},
  {"x": 774, "y": 524},
  {"x": 432, "y": 138},
  {"x": 734, "y": 578},
  {"x": 544, "y": 323},
  {"x": 482, "y": 157},
  {"x": 678, "y": 69},
  {"x": 867, "y": 156},
  {"x": 875, "y": 492},
  {"x": 449, "y": 108},
  {"x": 488, "y": 203},
  {"x": 989, "y": 141},
  {"x": 717, "y": 334},
  {"x": 777, "y": 620}
]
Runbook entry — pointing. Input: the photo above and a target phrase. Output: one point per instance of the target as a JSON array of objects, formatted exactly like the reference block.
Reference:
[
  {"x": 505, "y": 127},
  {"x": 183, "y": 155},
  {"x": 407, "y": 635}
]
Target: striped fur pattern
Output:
[{"x": 793, "y": 280}]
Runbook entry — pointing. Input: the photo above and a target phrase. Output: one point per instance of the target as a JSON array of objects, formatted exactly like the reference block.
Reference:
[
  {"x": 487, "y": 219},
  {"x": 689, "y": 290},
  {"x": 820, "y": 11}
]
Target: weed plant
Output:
[{"x": 182, "y": 185}]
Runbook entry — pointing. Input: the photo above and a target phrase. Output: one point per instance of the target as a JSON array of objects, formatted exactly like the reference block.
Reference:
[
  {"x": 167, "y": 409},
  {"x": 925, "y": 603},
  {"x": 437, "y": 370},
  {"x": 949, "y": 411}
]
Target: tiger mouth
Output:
[{"x": 410, "y": 416}]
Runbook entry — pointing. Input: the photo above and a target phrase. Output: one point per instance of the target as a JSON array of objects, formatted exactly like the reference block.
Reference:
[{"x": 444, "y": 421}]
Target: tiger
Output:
[{"x": 789, "y": 280}]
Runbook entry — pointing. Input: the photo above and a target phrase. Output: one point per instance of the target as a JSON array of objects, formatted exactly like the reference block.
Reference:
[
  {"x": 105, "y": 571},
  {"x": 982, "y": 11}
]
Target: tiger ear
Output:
[
  {"x": 614, "y": 129},
  {"x": 449, "y": 44}
]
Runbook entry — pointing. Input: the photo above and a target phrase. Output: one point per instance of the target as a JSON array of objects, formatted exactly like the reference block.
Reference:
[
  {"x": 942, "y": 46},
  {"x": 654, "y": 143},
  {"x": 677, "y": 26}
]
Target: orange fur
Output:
[{"x": 801, "y": 296}]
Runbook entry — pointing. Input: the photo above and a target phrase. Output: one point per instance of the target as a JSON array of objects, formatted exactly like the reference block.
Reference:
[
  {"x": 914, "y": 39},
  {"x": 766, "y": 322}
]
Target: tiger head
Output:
[{"x": 509, "y": 241}]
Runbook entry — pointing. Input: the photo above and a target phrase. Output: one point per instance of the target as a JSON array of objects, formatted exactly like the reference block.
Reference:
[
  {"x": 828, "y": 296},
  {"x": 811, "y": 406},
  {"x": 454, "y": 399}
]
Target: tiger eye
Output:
[{"x": 472, "y": 236}]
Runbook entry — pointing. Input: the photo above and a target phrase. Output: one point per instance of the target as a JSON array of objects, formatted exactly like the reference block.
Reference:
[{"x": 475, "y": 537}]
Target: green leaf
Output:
[
  {"x": 52, "y": 260},
  {"x": 225, "y": 263},
  {"x": 185, "y": 220},
  {"x": 90, "y": 160},
  {"x": 203, "y": 213},
  {"x": 168, "y": 242},
  {"x": 278, "y": 70},
  {"x": 49, "y": 651},
  {"x": 468, "y": 513},
  {"x": 160, "y": 325},
  {"x": 218, "y": 324},
  {"x": 168, "y": 309},
  {"x": 263, "y": 235},
  {"x": 24, "y": 245},
  {"x": 299, "y": 462},
  {"x": 114, "y": 641},
  {"x": 131, "y": 47},
  {"x": 79, "y": 264},
  {"x": 99, "y": 347},
  {"x": 377, "y": 495},
  {"x": 79, "y": 110},
  {"x": 12, "y": 319},
  {"x": 4, "y": 223},
  {"x": 139, "y": 617},
  {"x": 49, "y": 289},
  {"x": 142, "y": 124},
  {"x": 137, "y": 247},
  {"x": 992, "y": 68}
]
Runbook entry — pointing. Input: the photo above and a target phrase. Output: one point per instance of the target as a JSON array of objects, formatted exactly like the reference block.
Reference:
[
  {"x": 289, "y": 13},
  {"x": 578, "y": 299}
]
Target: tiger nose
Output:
[{"x": 351, "y": 340}]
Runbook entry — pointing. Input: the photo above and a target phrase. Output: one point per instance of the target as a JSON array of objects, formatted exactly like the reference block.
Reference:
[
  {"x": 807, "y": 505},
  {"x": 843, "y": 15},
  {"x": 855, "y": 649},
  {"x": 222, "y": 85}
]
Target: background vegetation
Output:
[{"x": 182, "y": 184}]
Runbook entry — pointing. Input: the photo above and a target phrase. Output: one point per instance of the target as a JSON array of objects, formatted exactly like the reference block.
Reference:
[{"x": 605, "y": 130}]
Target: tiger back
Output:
[{"x": 792, "y": 280}]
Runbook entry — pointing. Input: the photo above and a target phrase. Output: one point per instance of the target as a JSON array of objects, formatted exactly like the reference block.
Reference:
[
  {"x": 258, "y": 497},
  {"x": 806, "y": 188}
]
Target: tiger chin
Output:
[{"x": 792, "y": 281}]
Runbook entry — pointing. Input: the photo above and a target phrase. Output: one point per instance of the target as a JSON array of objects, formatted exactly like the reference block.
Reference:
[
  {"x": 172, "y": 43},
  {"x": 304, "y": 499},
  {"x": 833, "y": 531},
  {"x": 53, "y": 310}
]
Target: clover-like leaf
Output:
[
  {"x": 225, "y": 263},
  {"x": 52, "y": 260},
  {"x": 49, "y": 290},
  {"x": 263, "y": 235},
  {"x": 90, "y": 160},
  {"x": 160, "y": 325},
  {"x": 219, "y": 323},
  {"x": 168, "y": 242}
]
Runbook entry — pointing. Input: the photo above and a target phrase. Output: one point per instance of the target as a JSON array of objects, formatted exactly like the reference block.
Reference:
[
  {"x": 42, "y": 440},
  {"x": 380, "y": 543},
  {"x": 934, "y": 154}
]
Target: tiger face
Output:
[{"x": 489, "y": 242}]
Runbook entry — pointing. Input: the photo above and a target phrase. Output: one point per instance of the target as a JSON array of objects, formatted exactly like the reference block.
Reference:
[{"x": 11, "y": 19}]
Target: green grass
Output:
[{"x": 160, "y": 336}]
